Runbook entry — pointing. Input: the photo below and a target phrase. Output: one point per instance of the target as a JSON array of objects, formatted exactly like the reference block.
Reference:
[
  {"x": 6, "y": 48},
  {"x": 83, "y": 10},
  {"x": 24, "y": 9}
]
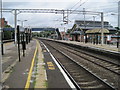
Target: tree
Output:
[
  {"x": 117, "y": 28},
  {"x": 8, "y": 26},
  {"x": 7, "y": 35},
  {"x": 69, "y": 30}
]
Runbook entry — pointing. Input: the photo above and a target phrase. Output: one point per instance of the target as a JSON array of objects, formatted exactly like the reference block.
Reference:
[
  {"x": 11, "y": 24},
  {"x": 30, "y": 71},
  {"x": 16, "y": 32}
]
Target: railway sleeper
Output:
[
  {"x": 88, "y": 82},
  {"x": 96, "y": 87}
]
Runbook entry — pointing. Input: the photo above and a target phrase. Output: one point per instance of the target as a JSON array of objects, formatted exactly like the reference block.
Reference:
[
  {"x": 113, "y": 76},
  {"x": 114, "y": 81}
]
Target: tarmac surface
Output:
[
  {"x": 15, "y": 73},
  {"x": 55, "y": 78},
  {"x": 8, "y": 57},
  {"x": 107, "y": 47},
  {"x": 20, "y": 74}
]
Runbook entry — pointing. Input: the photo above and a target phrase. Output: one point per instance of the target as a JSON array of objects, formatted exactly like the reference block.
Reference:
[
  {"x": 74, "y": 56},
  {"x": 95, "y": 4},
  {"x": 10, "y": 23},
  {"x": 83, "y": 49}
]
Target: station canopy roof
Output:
[
  {"x": 97, "y": 30},
  {"x": 77, "y": 33}
]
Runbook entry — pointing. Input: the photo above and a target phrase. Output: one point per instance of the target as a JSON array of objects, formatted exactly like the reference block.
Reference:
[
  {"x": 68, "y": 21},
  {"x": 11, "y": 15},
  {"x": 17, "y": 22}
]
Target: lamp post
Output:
[
  {"x": 117, "y": 32},
  {"x": 94, "y": 21},
  {"x": 118, "y": 24},
  {"x": 1, "y": 48},
  {"x": 22, "y": 21},
  {"x": 118, "y": 28},
  {"x": 23, "y": 36},
  {"x": 84, "y": 17},
  {"x": 102, "y": 26},
  {"x": 94, "y": 39},
  {"x": 29, "y": 34}
]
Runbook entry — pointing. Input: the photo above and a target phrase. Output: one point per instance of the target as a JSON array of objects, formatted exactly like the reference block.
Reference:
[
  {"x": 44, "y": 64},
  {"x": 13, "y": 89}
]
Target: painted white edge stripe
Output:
[
  {"x": 45, "y": 75},
  {"x": 60, "y": 68}
]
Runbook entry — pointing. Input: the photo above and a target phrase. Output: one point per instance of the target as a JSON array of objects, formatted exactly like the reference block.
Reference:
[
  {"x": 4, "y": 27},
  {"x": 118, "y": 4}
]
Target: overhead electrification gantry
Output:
[{"x": 65, "y": 14}]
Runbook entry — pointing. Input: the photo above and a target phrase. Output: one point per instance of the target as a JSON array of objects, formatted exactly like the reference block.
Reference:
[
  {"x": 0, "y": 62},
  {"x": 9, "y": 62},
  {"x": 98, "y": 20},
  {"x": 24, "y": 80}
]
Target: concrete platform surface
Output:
[
  {"x": 36, "y": 70},
  {"x": 55, "y": 78},
  {"x": 104, "y": 47},
  {"x": 15, "y": 73}
]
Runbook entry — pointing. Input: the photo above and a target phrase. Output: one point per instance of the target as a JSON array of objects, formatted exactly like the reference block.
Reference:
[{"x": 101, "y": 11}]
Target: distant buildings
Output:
[
  {"x": 90, "y": 31},
  {"x": 89, "y": 25},
  {"x": 43, "y": 29}
]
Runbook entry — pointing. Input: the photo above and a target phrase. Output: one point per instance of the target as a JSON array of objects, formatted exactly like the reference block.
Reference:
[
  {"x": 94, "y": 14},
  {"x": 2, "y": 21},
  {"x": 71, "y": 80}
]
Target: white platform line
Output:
[{"x": 60, "y": 68}]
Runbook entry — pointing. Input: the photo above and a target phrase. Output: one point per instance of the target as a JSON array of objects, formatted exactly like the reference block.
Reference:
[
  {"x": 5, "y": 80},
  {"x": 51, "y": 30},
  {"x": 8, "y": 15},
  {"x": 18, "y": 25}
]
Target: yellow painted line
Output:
[
  {"x": 30, "y": 72},
  {"x": 8, "y": 43},
  {"x": 52, "y": 68},
  {"x": 50, "y": 65},
  {"x": 44, "y": 51}
]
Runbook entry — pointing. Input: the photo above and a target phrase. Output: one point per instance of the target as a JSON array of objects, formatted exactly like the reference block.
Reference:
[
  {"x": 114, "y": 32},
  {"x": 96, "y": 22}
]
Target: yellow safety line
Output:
[
  {"x": 8, "y": 43},
  {"x": 31, "y": 68},
  {"x": 50, "y": 65}
]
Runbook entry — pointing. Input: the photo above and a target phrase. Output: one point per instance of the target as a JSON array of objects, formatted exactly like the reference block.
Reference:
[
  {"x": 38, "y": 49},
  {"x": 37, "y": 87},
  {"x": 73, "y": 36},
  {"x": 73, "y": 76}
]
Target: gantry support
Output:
[{"x": 56, "y": 11}]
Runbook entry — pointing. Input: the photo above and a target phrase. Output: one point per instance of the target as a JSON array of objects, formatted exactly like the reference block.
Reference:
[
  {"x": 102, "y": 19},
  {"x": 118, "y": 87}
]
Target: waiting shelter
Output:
[
  {"x": 77, "y": 35},
  {"x": 94, "y": 35}
]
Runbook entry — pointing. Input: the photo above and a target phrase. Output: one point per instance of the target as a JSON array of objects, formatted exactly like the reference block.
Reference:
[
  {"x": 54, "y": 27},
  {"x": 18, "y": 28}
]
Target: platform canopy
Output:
[
  {"x": 77, "y": 33},
  {"x": 97, "y": 30}
]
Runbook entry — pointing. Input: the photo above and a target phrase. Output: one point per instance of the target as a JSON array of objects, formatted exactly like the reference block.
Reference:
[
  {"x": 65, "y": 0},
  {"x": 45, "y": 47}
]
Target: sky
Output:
[{"x": 108, "y": 7}]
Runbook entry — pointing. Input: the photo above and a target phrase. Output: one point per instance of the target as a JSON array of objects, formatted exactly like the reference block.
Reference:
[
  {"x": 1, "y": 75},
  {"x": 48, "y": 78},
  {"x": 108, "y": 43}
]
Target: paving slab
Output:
[
  {"x": 106, "y": 47},
  {"x": 54, "y": 76},
  {"x": 19, "y": 73},
  {"x": 41, "y": 77}
]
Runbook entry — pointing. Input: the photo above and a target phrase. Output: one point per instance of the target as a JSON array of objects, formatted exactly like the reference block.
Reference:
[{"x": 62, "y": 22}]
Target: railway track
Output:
[
  {"x": 81, "y": 70},
  {"x": 111, "y": 66}
]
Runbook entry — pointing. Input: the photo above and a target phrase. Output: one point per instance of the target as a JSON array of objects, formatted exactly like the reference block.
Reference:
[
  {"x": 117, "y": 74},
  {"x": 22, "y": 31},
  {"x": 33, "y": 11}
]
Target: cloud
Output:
[
  {"x": 40, "y": 0},
  {"x": 45, "y": 20},
  {"x": 59, "y": 0},
  {"x": 12, "y": 5},
  {"x": 33, "y": 5}
]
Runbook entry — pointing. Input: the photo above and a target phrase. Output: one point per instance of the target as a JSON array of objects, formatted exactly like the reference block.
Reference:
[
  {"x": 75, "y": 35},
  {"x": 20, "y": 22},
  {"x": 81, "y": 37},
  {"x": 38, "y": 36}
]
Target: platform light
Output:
[
  {"x": 1, "y": 47},
  {"x": 22, "y": 22}
]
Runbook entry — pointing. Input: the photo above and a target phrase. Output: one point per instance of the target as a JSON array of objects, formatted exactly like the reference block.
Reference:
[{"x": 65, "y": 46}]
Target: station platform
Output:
[
  {"x": 55, "y": 75},
  {"x": 15, "y": 73},
  {"x": 38, "y": 69},
  {"x": 108, "y": 50},
  {"x": 106, "y": 47}
]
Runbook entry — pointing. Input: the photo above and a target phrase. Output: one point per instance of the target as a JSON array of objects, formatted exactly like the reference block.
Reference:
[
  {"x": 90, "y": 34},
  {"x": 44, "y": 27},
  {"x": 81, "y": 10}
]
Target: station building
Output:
[
  {"x": 4, "y": 22},
  {"x": 90, "y": 31}
]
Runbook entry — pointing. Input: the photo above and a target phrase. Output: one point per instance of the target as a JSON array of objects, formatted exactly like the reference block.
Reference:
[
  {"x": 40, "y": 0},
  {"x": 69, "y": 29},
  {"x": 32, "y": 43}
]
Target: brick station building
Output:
[
  {"x": 80, "y": 27},
  {"x": 4, "y": 22}
]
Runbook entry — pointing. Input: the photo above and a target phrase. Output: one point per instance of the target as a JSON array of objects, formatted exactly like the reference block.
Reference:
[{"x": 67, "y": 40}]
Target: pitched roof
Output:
[{"x": 97, "y": 30}]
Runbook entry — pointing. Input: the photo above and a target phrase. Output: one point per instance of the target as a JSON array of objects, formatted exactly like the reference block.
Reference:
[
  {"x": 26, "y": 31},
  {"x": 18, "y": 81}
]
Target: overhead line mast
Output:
[
  {"x": 1, "y": 46},
  {"x": 56, "y": 11}
]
